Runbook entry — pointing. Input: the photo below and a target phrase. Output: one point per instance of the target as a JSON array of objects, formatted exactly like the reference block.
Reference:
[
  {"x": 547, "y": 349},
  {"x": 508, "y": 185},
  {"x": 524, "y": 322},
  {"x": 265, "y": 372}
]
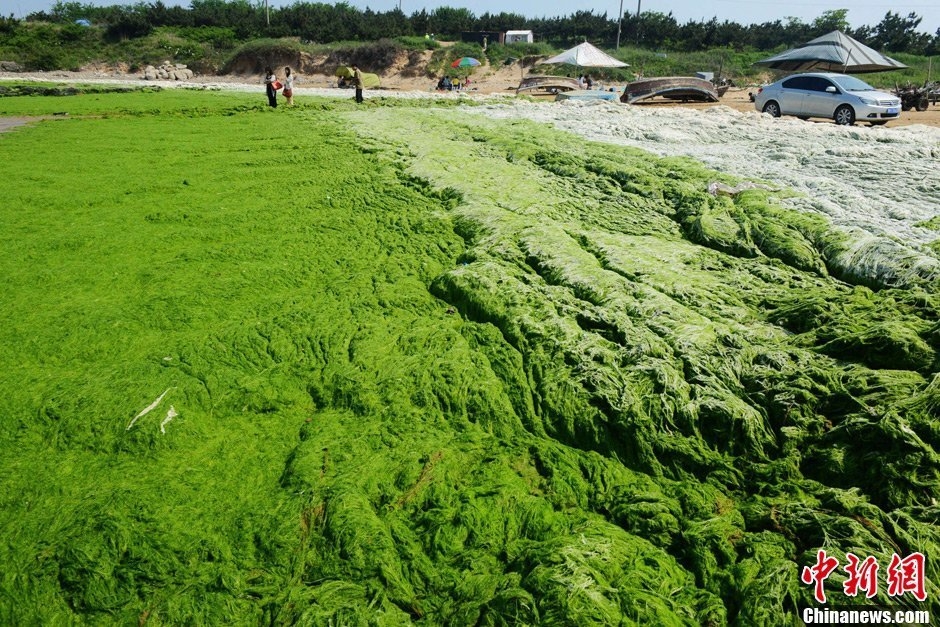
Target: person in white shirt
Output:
[{"x": 288, "y": 92}]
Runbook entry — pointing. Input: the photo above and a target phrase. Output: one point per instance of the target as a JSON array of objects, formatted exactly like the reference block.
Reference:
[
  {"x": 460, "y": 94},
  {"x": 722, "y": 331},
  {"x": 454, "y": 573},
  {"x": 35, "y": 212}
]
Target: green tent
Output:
[{"x": 369, "y": 81}]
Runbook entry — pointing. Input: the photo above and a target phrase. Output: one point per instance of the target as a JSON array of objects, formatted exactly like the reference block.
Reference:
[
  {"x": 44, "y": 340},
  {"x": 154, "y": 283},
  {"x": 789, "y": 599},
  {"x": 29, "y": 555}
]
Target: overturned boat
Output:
[
  {"x": 683, "y": 88},
  {"x": 547, "y": 84},
  {"x": 587, "y": 94}
]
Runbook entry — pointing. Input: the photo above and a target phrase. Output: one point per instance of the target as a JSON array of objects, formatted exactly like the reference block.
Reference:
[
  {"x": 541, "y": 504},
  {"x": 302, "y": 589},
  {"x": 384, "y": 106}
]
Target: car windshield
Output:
[{"x": 850, "y": 83}]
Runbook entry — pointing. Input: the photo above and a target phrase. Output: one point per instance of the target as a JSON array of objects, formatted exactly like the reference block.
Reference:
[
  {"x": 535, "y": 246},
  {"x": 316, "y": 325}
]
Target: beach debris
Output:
[
  {"x": 146, "y": 410},
  {"x": 170, "y": 415}
]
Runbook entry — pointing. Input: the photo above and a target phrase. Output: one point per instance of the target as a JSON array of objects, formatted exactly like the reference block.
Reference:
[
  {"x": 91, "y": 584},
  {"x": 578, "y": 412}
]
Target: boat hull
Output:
[
  {"x": 684, "y": 88},
  {"x": 549, "y": 84}
]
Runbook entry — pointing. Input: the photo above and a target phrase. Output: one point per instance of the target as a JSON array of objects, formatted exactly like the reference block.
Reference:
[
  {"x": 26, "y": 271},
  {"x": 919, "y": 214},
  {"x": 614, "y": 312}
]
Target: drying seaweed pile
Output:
[{"x": 465, "y": 372}]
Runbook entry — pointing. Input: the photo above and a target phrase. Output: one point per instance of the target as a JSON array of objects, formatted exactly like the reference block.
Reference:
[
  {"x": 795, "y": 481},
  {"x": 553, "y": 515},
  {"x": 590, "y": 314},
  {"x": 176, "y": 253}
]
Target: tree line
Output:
[{"x": 325, "y": 23}]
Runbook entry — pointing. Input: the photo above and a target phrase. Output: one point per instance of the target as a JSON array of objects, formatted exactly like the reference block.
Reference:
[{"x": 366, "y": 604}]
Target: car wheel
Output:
[
  {"x": 845, "y": 116},
  {"x": 922, "y": 104},
  {"x": 772, "y": 108}
]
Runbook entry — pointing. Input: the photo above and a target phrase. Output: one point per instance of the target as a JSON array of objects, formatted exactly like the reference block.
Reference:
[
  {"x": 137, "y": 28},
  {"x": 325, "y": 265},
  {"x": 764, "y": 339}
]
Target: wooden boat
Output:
[
  {"x": 548, "y": 84},
  {"x": 684, "y": 88}
]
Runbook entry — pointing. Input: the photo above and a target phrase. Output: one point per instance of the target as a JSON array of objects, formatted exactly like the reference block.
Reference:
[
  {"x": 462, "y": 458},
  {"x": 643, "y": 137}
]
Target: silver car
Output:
[{"x": 840, "y": 97}]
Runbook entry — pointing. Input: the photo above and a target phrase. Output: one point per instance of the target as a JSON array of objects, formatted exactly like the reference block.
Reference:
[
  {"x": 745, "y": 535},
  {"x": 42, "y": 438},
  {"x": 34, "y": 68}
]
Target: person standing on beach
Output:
[
  {"x": 288, "y": 86},
  {"x": 269, "y": 79},
  {"x": 357, "y": 82}
]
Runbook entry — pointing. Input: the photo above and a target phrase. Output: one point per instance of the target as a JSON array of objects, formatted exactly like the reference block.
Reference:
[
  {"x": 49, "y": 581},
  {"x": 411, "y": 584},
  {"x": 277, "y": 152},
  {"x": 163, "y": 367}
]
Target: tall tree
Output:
[
  {"x": 899, "y": 34},
  {"x": 933, "y": 48},
  {"x": 501, "y": 22},
  {"x": 767, "y": 36},
  {"x": 451, "y": 22},
  {"x": 830, "y": 21},
  {"x": 651, "y": 29},
  {"x": 585, "y": 25}
]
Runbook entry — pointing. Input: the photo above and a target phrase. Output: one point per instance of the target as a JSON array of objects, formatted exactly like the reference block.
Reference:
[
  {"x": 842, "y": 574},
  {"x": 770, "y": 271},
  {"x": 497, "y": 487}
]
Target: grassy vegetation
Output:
[
  {"x": 920, "y": 71},
  {"x": 41, "y": 46},
  {"x": 426, "y": 367},
  {"x": 727, "y": 63}
]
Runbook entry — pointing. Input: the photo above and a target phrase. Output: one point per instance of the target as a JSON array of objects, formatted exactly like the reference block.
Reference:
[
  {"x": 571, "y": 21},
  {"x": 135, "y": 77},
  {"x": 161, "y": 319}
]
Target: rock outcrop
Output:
[{"x": 168, "y": 72}]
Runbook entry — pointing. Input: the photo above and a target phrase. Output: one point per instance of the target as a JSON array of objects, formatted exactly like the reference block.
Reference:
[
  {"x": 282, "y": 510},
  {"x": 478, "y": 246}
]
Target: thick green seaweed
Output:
[{"x": 431, "y": 368}]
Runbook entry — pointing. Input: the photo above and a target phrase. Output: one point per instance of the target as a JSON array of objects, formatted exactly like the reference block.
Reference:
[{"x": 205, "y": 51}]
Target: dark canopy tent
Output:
[{"x": 833, "y": 52}]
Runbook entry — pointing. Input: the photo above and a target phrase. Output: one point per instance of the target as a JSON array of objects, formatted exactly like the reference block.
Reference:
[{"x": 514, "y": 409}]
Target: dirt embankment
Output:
[
  {"x": 409, "y": 65},
  {"x": 408, "y": 72}
]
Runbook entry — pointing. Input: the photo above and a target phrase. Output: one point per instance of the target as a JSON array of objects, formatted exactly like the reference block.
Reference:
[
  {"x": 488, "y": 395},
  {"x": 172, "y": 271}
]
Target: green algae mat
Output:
[{"x": 408, "y": 365}]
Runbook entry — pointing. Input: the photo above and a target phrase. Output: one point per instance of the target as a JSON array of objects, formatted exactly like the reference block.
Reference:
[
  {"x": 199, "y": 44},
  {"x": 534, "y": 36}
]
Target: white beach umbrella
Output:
[{"x": 586, "y": 55}]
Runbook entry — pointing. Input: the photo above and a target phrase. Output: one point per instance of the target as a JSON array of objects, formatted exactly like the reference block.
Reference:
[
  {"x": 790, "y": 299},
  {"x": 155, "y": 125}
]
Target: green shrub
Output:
[
  {"x": 376, "y": 55},
  {"x": 44, "y": 59},
  {"x": 418, "y": 43},
  {"x": 8, "y": 25},
  {"x": 261, "y": 52},
  {"x": 128, "y": 26},
  {"x": 218, "y": 37}
]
